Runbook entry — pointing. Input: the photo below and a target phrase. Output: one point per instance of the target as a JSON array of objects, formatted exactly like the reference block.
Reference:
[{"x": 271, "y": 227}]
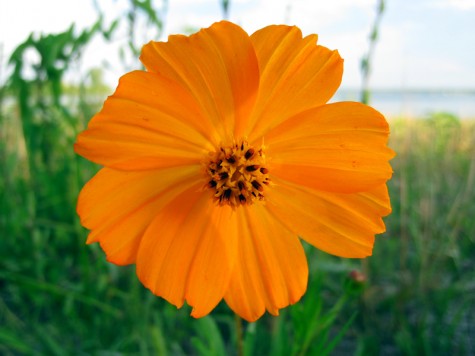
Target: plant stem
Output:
[
  {"x": 239, "y": 340},
  {"x": 366, "y": 60},
  {"x": 225, "y": 7}
]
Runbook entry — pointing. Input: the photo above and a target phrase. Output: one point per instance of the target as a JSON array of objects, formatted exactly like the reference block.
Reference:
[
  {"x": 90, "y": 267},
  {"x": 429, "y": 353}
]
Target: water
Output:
[
  {"x": 395, "y": 103},
  {"x": 417, "y": 104}
]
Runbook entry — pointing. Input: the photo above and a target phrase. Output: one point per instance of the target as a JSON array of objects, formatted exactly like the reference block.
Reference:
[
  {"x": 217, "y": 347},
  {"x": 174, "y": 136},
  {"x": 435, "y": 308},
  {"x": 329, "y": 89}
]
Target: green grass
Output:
[
  {"x": 59, "y": 296},
  {"x": 421, "y": 300}
]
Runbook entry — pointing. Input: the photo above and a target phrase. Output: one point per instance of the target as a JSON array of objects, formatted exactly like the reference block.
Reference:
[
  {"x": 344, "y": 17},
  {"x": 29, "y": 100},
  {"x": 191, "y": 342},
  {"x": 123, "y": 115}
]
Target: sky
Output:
[{"x": 423, "y": 44}]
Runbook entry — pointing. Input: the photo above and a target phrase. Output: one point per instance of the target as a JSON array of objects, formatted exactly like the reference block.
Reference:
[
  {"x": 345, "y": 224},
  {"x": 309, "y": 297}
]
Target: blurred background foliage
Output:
[{"x": 415, "y": 296}]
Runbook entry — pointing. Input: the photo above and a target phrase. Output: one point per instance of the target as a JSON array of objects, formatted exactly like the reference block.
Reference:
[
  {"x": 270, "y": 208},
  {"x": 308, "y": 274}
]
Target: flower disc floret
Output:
[{"x": 237, "y": 174}]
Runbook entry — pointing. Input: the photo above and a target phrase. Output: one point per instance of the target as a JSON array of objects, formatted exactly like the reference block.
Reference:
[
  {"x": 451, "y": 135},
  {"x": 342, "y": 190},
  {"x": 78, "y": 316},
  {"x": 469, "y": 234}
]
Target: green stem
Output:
[
  {"x": 225, "y": 7},
  {"x": 239, "y": 340},
  {"x": 366, "y": 61}
]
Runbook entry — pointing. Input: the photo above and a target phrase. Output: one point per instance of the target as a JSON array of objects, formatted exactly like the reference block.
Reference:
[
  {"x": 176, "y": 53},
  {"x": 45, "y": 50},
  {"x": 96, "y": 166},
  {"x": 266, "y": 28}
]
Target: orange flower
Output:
[{"x": 220, "y": 155}]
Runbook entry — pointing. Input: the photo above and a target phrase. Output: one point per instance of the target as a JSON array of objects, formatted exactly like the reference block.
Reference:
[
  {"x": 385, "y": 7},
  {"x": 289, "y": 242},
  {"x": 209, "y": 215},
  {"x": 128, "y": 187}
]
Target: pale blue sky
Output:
[{"x": 423, "y": 43}]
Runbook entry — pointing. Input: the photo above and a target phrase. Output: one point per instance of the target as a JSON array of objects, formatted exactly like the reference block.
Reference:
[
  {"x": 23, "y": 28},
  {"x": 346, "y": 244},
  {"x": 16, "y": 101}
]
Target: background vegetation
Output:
[{"x": 415, "y": 296}]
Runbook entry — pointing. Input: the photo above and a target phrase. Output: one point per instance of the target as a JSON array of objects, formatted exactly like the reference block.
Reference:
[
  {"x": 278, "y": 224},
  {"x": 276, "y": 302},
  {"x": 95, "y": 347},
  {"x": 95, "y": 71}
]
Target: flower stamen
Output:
[{"x": 237, "y": 174}]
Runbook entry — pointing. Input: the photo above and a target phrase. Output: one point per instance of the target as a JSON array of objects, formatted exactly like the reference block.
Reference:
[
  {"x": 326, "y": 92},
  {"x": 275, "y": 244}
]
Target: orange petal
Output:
[
  {"x": 296, "y": 75},
  {"x": 188, "y": 251},
  {"x": 336, "y": 147},
  {"x": 149, "y": 122},
  {"x": 217, "y": 65},
  {"x": 340, "y": 224},
  {"x": 118, "y": 206},
  {"x": 271, "y": 268}
]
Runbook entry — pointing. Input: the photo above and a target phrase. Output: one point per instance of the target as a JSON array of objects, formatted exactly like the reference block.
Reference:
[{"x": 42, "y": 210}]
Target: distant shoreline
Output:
[
  {"x": 456, "y": 91},
  {"x": 393, "y": 103},
  {"x": 416, "y": 103}
]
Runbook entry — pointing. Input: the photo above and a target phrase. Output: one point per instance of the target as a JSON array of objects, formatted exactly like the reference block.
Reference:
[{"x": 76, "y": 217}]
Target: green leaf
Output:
[
  {"x": 209, "y": 341},
  {"x": 13, "y": 342}
]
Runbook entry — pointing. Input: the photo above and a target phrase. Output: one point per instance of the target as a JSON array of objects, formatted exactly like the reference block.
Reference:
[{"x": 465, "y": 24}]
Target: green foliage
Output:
[
  {"x": 225, "y": 8},
  {"x": 58, "y": 296},
  {"x": 313, "y": 326},
  {"x": 367, "y": 58},
  {"x": 420, "y": 299},
  {"x": 208, "y": 340},
  {"x": 144, "y": 21}
]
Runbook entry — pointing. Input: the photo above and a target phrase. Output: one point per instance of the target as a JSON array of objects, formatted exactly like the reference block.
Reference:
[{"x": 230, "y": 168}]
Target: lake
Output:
[
  {"x": 394, "y": 103},
  {"x": 417, "y": 103}
]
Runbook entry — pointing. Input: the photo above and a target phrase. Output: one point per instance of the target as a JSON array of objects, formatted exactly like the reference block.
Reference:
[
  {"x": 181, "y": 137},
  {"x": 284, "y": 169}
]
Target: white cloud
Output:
[
  {"x": 310, "y": 15},
  {"x": 456, "y": 4},
  {"x": 342, "y": 25},
  {"x": 425, "y": 71}
]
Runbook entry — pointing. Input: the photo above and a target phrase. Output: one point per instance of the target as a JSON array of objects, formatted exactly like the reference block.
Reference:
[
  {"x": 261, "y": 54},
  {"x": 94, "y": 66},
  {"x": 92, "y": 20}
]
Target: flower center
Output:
[{"x": 238, "y": 175}]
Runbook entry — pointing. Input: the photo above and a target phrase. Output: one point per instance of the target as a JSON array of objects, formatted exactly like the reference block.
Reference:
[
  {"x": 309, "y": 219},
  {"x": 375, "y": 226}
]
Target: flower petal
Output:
[
  {"x": 271, "y": 269},
  {"x": 118, "y": 206},
  {"x": 217, "y": 65},
  {"x": 149, "y": 122},
  {"x": 296, "y": 74},
  {"x": 188, "y": 252},
  {"x": 340, "y": 224},
  {"x": 336, "y": 147}
]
